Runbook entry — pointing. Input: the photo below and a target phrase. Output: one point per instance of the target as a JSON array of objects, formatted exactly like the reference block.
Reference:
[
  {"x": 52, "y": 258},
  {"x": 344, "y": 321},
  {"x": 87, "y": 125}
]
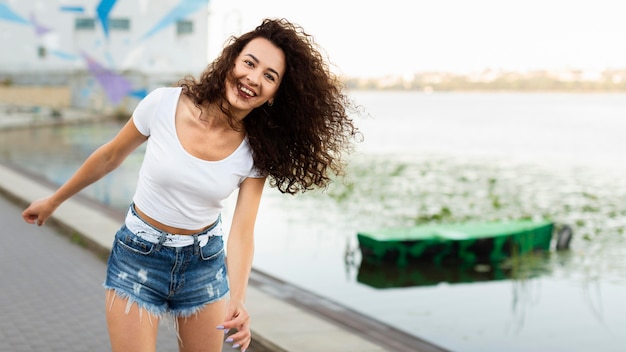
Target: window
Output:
[
  {"x": 84, "y": 24},
  {"x": 184, "y": 27},
  {"x": 119, "y": 24}
]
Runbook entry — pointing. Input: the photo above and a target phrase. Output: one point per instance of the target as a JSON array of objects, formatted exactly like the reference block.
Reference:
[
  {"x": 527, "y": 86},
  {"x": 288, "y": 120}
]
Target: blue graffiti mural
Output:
[
  {"x": 76, "y": 9},
  {"x": 114, "y": 85},
  {"x": 9, "y": 15},
  {"x": 39, "y": 28},
  {"x": 103, "y": 10},
  {"x": 63, "y": 55},
  {"x": 179, "y": 12}
]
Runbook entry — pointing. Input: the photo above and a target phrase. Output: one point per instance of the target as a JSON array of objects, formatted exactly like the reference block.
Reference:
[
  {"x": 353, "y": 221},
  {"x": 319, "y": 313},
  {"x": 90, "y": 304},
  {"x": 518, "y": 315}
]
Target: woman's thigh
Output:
[
  {"x": 130, "y": 328},
  {"x": 198, "y": 332}
]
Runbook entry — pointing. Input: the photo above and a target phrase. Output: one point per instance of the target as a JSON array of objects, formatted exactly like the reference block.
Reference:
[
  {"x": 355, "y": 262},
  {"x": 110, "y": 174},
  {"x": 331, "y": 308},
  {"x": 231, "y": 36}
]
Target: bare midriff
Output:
[{"x": 165, "y": 228}]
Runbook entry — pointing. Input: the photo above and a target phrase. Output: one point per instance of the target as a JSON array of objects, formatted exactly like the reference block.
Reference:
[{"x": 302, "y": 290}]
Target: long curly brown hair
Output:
[{"x": 298, "y": 141}]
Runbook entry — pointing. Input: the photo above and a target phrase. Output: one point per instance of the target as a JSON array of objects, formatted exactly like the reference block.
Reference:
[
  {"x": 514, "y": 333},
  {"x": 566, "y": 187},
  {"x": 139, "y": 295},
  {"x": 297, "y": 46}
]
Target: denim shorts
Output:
[{"x": 163, "y": 279}]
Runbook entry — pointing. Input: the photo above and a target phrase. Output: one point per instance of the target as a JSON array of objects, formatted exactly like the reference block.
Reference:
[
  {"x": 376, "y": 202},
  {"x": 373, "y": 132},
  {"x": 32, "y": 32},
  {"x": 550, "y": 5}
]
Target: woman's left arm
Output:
[{"x": 240, "y": 250}]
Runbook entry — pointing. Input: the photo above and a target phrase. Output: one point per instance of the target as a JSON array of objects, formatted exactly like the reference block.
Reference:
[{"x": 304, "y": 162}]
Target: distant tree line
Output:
[{"x": 567, "y": 81}]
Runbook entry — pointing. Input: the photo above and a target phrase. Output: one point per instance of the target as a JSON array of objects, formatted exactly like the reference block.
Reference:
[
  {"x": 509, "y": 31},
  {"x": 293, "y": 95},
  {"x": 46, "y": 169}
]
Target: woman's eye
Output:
[
  {"x": 270, "y": 77},
  {"x": 248, "y": 63}
]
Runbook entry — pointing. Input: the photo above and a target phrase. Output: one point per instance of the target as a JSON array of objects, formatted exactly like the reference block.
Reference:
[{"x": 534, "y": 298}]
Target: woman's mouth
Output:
[{"x": 246, "y": 92}]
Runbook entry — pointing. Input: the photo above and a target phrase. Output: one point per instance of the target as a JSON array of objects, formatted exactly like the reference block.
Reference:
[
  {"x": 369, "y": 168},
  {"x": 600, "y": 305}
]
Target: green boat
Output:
[{"x": 474, "y": 242}]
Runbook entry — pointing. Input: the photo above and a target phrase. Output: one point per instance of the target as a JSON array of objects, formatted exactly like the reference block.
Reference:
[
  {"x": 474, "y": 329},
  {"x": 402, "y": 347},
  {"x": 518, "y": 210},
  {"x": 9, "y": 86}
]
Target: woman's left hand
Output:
[{"x": 237, "y": 318}]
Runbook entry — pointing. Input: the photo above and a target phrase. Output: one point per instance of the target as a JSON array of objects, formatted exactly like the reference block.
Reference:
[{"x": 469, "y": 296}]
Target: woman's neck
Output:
[{"x": 214, "y": 117}]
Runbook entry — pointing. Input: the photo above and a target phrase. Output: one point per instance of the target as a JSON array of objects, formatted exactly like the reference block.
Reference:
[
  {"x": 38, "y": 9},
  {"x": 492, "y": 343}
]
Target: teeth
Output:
[{"x": 247, "y": 91}]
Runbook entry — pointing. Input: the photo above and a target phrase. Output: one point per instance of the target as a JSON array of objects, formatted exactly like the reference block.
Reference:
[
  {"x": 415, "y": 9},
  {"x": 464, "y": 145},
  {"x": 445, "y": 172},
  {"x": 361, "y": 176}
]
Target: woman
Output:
[{"x": 268, "y": 107}]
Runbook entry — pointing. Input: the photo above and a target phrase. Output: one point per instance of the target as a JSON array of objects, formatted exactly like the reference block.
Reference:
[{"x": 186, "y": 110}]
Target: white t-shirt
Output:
[{"x": 176, "y": 188}]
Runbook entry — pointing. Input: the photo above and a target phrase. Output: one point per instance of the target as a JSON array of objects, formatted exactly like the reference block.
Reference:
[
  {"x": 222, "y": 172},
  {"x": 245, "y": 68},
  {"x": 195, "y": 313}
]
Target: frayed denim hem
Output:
[
  {"x": 152, "y": 310},
  {"x": 188, "y": 312},
  {"x": 155, "y": 311}
]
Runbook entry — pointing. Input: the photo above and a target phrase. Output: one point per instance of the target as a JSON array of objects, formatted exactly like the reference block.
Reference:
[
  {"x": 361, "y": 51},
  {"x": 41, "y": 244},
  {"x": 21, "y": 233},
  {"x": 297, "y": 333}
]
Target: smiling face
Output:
[{"x": 256, "y": 76}]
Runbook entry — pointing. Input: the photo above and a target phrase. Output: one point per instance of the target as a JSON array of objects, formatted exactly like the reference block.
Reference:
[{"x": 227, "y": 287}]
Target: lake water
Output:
[{"x": 442, "y": 157}]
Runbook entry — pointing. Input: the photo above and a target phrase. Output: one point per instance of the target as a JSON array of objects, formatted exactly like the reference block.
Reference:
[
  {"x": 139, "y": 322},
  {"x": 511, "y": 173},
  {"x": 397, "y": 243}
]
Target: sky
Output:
[{"x": 401, "y": 37}]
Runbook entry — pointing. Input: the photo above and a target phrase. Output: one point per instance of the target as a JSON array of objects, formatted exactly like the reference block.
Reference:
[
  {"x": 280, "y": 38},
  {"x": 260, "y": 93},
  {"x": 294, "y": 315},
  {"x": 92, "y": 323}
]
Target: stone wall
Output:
[{"x": 48, "y": 96}]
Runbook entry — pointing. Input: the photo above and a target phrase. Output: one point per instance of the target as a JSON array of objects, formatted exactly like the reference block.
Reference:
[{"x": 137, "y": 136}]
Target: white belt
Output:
[{"x": 137, "y": 226}]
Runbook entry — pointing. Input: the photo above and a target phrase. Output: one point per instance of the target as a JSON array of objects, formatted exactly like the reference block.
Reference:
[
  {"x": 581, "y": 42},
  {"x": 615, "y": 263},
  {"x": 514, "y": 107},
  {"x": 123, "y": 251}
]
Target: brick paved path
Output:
[{"x": 51, "y": 295}]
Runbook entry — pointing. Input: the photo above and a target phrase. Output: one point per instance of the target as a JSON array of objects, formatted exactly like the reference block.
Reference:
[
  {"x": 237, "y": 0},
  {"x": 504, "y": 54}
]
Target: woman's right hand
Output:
[{"x": 39, "y": 211}]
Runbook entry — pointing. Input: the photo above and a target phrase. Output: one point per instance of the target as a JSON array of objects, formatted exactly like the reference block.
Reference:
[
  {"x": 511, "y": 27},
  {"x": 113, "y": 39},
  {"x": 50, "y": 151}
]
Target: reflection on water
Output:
[
  {"x": 56, "y": 153},
  {"x": 565, "y": 301},
  {"x": 382, "y": 275}
]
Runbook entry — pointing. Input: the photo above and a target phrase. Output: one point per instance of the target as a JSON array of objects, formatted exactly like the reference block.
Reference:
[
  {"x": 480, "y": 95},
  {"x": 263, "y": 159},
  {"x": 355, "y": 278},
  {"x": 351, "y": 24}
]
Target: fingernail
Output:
[
  {"x": 230, "y": 339},
  {"x": 226, "y": 331},
  {"x": 220, "y": 327},
  {"x": 236, "y": 345}
]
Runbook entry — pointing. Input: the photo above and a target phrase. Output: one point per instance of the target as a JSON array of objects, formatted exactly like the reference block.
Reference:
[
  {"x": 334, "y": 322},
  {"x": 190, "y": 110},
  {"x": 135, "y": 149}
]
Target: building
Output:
[{"x": 110, "y": 52}]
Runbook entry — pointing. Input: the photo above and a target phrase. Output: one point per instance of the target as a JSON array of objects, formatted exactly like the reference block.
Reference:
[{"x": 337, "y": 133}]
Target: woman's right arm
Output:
[{"x": 102, "y": 161}]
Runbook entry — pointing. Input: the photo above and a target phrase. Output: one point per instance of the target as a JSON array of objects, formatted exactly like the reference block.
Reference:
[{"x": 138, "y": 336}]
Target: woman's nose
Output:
[{"x": 253, "y": 77}]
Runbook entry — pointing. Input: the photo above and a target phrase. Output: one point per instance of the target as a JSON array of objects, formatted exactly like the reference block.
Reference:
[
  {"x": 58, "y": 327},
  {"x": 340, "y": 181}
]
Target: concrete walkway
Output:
[{"x": 52, "y": 299}]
